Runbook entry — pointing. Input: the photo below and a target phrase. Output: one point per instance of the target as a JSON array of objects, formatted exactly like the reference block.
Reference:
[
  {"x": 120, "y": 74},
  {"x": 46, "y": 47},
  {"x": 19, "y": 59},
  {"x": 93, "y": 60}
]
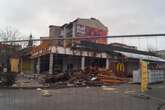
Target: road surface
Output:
[{"x": 75, "y": 99}]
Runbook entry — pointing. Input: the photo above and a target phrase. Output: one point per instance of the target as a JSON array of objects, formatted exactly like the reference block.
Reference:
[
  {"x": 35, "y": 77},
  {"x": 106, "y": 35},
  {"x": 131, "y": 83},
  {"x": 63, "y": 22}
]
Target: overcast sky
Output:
[{"x": 120, "y": 16}]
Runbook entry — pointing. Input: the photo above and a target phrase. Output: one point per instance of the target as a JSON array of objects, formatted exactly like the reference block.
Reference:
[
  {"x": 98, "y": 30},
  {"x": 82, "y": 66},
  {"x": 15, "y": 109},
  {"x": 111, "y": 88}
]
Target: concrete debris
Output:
[
  {"x": 14, "y": 85},
  {"x": 130, "y": 92},
  {"x": 39, "y": 89},
  {"x": 109, "y": 89},
  {"x": 88, "y": 77},
  {"x": 70, "y": 85},
  {"x": 45, "y": 93},
  {"x": 53, "y": 78},
  {"x": 87, "y": 87},
  {"x": 103, "y": 86},
  {"x": 7, "y": 79},
  {"x": 94, "y": 78},
  {"x": 24, "y": 81}
]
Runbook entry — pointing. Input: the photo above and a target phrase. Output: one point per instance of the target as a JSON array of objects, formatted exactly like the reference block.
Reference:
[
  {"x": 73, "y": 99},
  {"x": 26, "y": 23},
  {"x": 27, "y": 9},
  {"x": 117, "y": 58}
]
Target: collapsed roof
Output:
[{"x": 129, "y": 53}]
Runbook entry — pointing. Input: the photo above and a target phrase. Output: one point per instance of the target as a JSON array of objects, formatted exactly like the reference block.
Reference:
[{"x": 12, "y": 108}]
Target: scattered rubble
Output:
[
  {"x": 86, "y": 78},
  {"x": 89, "y": 77},
  {"x": 7, "y": 79},
  {"x": 45, "y": 93},
  {"x": 26, "y": 81},
  {"x": 96, "y": 78},
  {"x": 39, "y": 89},
  {"x": 109, "y": 88}
]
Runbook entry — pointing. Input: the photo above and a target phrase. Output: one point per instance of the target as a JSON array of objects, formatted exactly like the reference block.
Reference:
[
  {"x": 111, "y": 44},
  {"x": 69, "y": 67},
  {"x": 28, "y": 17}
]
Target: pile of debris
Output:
[
  {"x": 107, "y": 77},
  {"x": 89, "y": 77},
  {"x": 26, "y": 81},
  {"x": 96, "y": 78},
  {"x": 7, "y": 79}
]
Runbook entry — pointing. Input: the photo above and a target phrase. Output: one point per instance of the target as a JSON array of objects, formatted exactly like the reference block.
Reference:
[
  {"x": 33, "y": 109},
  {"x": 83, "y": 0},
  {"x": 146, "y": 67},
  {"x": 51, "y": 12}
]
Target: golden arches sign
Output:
[{"x": 120, "y": 67}]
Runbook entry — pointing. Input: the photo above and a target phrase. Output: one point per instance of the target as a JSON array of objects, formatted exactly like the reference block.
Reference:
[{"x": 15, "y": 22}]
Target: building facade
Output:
[
  {"x": 55, "y": 56},
  {"x": 88, "y": 28}
]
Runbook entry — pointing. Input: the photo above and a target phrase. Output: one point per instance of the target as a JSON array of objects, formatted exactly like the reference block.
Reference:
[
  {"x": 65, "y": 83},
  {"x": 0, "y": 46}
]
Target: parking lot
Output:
[{"x": 86, "y": 98}]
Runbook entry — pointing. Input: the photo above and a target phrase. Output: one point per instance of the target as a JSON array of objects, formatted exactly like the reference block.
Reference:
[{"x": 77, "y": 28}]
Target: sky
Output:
[{"x": 120, "y": 16}]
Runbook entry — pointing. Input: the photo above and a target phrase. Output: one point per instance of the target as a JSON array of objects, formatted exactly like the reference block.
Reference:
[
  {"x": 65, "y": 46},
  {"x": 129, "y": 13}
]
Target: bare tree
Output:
[{"x": 9, "y": 34}]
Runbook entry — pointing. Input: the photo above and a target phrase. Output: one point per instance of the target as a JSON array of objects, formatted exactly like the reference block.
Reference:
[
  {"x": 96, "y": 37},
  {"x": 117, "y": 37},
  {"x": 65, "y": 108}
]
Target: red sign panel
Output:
[{"x": 86, "y": 31}]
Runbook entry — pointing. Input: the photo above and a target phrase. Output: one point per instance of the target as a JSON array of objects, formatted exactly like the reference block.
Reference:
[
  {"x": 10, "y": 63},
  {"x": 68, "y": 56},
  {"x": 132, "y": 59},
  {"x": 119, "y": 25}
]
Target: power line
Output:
[{"x": 89, "y": 37}]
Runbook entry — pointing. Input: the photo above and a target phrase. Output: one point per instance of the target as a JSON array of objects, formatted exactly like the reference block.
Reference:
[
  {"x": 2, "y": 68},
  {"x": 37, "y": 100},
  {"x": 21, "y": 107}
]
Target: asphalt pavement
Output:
[
  {"x": 157, "y": 90},
  {"x": 84, "y": 98}
]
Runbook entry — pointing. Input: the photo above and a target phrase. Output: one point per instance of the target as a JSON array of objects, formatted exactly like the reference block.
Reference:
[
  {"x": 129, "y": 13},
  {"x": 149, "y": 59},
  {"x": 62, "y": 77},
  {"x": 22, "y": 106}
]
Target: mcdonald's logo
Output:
[{"x": 120, "y": 67}]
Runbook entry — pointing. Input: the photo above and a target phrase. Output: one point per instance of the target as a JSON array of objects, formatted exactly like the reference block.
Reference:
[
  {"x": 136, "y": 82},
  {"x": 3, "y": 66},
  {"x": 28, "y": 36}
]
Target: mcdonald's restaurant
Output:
[{"x": 123, "y": 61}]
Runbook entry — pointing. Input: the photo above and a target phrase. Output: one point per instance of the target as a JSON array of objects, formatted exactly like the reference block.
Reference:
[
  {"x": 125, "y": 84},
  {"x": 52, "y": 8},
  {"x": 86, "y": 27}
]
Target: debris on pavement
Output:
[
  {"x": 45, "y": 93},
  {"x": 88, "y": 77},
  {"x": 109, "y": 88},
  {"x": 96, "y": 78},
  {"x": 26, "y": 81},
  {"x": 7, "y": 79},
  {"x": 39, "y": 89},
  {"x": 130, "y": 92}
]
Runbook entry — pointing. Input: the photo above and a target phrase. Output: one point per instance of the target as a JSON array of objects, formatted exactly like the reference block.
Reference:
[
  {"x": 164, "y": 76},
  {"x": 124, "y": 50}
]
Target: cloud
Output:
[{"x": 122, "y": 17}]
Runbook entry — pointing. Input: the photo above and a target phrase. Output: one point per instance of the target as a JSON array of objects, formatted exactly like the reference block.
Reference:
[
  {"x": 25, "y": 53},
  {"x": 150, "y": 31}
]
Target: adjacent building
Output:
[{"x": 88, "y": 28}]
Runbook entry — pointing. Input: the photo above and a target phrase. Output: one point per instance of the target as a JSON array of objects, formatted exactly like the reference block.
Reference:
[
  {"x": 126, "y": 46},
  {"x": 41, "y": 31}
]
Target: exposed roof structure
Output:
[
  {"x": 110, "y": 48},
  {"x": 25, "y": 51},
  {"x": 130, "y": 53},
  {"x": 92, "y": 46},
  {"x": 122, "y": 45},
  {"x": 141, "y": 56}
]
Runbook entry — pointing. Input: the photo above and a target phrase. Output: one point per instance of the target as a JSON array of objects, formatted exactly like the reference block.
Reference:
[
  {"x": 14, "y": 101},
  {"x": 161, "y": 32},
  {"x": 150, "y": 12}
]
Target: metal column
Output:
[
  {"x": 107, "y": 63},
  {"x": 38, "y": 65},
  {"x": 82, "y": 63},
  {"x": 51, "y": 63}
]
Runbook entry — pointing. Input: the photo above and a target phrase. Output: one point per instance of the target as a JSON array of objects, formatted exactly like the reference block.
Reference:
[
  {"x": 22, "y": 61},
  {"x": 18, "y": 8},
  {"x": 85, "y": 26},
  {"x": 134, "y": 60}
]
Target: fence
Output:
[{"x": 16, "y": 59}]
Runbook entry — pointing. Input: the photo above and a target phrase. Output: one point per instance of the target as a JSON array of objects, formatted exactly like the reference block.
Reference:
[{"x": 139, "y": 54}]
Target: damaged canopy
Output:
[{"x": 141, "y": 56}]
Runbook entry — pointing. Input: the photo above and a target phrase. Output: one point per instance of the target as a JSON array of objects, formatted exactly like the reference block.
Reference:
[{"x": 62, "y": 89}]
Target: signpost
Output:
[{"x": 144, "y": 76}]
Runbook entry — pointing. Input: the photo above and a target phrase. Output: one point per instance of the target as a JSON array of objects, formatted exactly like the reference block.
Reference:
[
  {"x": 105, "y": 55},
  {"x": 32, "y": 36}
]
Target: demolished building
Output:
[
  {"x": 67, "y": 55},
  {"x": 55, "y": 55}
]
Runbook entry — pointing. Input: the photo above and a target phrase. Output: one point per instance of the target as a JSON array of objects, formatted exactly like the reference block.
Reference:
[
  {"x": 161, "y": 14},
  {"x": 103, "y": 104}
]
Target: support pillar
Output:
[
  {"x": 51, "y": 63},
  {"x": 38, "y": 65},
  {"x": 21, "y": 66},
  {"x": 107, "y": 63},
  {"x": 82, "y": 63}
]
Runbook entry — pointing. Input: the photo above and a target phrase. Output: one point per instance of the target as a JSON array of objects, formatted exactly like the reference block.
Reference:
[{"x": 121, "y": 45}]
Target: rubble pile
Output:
[
  {"x": 88, "y": 77},
  {"x": 53, "y": 78},
  {"x": 96, "y": 77},
  {"x": 107, "y": 77},
  {"x": 85, "y": 78},
  {"x": 26, "y": 81}
]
